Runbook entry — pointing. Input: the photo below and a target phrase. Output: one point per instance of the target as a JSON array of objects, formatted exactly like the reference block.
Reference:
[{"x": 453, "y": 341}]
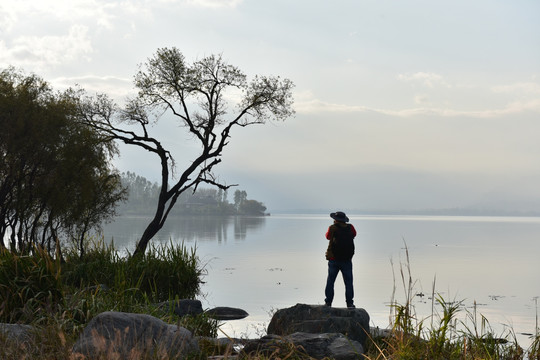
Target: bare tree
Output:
[{"x": 196, "y": 95}]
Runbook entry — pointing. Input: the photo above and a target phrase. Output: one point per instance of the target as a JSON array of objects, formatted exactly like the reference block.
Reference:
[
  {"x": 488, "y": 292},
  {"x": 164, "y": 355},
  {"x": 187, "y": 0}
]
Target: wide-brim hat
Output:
[{"x": 339, "y": 216}]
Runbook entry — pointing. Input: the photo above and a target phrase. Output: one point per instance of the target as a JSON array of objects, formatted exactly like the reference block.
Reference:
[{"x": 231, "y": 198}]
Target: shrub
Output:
[
  {"x": 164, "y": 272},
  {"x": 167, "y": 271}
]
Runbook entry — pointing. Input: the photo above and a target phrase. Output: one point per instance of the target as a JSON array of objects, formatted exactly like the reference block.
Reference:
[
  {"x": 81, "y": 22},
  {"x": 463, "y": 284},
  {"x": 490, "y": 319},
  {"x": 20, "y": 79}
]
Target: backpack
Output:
[{"x": 342, "y": 243}]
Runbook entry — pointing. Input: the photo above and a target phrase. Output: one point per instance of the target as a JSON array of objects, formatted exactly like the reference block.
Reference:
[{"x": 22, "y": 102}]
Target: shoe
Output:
[
  {"x": 351, "y": 306},
  {"x": 328, "y": 304}
]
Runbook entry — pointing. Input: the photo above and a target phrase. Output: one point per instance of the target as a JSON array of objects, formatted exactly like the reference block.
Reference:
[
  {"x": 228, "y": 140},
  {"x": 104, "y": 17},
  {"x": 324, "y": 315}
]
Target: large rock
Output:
[
  {"x": 319, "y": 346},
  {"x": 226, "y": 313},
  {"x": 17, "y": 333},
  {"x": 317, "y": 319},
  {"x": 120, "y": 335},
  {"x": 185, "y": 307}
]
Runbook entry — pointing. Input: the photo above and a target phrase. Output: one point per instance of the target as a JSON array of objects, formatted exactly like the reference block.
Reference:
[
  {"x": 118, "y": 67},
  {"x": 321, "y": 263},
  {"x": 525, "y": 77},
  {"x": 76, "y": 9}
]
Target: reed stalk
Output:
[{"x": 447, "y": 336}]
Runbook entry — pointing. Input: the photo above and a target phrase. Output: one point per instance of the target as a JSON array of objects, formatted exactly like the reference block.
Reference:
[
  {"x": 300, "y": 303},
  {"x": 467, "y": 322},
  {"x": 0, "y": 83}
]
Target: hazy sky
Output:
[{"x": 399, "y": 104}]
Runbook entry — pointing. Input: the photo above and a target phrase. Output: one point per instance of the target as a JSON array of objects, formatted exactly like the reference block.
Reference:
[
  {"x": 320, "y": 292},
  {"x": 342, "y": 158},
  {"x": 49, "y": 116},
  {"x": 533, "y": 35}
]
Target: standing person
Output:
[{"x": 339, "y": 254}]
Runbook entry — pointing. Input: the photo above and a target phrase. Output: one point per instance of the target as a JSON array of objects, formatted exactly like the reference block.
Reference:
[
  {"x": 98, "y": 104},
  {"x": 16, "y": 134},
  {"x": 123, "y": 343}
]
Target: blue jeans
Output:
[{"x": 334, "y": 267}]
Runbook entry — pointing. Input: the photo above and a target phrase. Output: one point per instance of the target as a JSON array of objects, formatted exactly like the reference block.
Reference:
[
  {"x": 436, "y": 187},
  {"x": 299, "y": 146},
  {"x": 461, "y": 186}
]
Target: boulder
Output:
[
  {"x": 16, "y": 331},
  {"x": 317, "y": 319},
  {"x": 226, "y": 313},
  {"x": 121, "y": 335},
  {"x": 20, "y": 334},
  {"x": 319, "y": 346},
  {"x": 18, "y": 339}
]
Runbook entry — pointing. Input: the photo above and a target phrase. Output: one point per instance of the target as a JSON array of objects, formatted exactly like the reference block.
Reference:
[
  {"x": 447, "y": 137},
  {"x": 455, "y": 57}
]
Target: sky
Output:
[{"x": 418, "y": 104}]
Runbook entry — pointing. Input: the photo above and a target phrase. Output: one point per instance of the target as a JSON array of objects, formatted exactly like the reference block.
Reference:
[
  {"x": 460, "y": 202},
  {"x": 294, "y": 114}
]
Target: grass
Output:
[
  {"x": 28, "y": 284},
  {"x": 442, "y": 335},
  {"x": 59, "y": 299}
]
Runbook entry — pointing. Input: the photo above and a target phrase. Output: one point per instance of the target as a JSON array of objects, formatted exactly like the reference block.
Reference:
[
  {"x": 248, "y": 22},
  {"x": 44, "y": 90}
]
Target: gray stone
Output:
[
  {"x": 125, "y": 335},
  {"x": 226, "y": 313},
  {"x": 343, "y": 348},
  {"x": 319, "y": 346},
  {"x": 317, "y": 319},
  {"x": 17, "y": 333}
]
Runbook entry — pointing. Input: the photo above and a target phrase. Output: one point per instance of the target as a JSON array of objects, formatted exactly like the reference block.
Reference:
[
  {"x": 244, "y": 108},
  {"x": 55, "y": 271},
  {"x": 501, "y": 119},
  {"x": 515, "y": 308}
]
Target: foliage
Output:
[
  {"x": 29, "y": 284},
  {"x": 142, "y": 194},
  {"x": 163, "y": 272},
  {"x": 33, "y": 283},
  {"x": 245, "y": 206},
  {"x": 196, "y": 96},
  {"x": 167, "y": 272},
  {"x": 239, "y": 198},
  {"x": 534, "y": 351},
  {"x": 200, "y": 325},
  {"x": 55, "y": 178},
  {"x": 252, "y": 207}
]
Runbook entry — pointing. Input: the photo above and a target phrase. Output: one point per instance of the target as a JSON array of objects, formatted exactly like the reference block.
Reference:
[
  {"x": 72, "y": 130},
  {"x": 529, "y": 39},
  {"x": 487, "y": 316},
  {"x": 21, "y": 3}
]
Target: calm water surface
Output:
[{"x": 263, "y": 264}]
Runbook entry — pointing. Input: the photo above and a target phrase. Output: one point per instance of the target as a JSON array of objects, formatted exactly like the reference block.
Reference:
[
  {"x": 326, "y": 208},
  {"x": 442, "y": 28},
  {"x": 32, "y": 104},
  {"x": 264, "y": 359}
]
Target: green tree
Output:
[
  {"x": 195, "y": 95},
  {"x": 239, "y": 197},
  {"x": 55, "y": 178},
  {"x": 142, "y": 194},
  {"x": 252, "y": 207}
]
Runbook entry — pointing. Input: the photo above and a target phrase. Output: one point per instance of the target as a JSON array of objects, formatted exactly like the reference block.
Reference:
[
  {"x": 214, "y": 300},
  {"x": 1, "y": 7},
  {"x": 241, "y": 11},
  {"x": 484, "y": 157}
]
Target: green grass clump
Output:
[
  {"x": 167, "y": 271},
  {"x": 163, "y": 272},
  {"x": 29, "y": 284}
]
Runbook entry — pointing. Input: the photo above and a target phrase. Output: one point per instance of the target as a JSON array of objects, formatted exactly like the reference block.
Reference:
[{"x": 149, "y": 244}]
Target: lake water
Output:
[{"x": 263, "y": 264}]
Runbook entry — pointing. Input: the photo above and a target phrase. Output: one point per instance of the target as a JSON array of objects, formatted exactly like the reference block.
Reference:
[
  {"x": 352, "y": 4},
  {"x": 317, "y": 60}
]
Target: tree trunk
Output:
[{"x": 148, "y": 234}]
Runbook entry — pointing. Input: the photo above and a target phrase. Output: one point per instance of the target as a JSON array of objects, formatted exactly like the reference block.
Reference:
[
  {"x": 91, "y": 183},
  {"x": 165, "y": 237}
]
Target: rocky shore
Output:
[{"x": 318, "y": 331}]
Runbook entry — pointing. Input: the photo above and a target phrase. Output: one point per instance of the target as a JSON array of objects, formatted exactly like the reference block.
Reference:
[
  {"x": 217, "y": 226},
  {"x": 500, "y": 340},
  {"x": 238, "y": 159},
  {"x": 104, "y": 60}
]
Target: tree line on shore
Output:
[{"x": 143, "y": 194}]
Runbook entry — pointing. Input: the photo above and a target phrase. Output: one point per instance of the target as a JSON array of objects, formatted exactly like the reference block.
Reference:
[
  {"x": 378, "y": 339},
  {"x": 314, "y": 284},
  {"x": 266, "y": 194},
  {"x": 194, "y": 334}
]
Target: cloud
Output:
[
  {"x": 60, "y": 10},
  {"x": 8, "y": 19},
  {"x": 44, "y": 51},
  {"x": 429, "y": 80},
  {"x": 96, "y": 14},
  {"x": 421, "y": 99},
  {"x": 526, "y": 88},
  {"x": 115, "y": 87},
  {"x": 447, "y": 101},
  {"x": 318, "y": 106}
]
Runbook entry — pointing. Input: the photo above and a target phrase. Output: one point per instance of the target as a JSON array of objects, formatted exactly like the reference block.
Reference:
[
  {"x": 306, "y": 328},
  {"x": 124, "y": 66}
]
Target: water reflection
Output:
[
  {"x": 126, "y": 230},
  {"x": 244, "y": 224}
]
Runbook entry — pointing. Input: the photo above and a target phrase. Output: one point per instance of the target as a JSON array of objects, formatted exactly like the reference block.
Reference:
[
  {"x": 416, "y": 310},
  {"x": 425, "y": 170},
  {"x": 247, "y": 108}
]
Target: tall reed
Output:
[{"x": 446, "y": 336}]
